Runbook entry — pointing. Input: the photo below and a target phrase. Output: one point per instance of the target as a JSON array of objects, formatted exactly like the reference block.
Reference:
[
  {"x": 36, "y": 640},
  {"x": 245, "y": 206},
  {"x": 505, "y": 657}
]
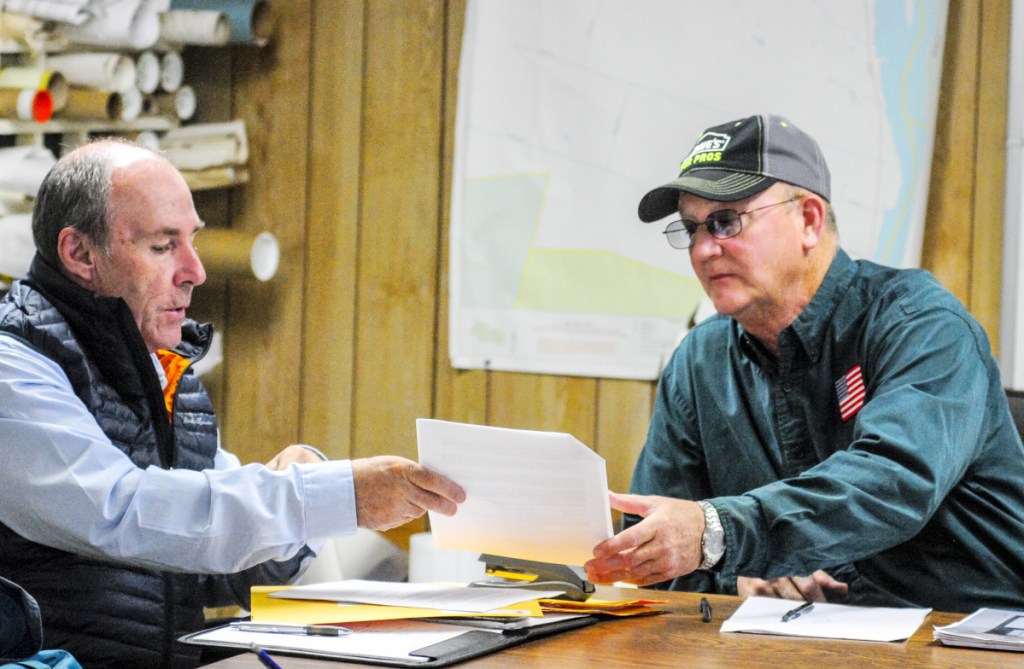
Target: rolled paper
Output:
[
  {"x": 148, "y": 139},
  {"x": 22, "y": 168},
  {"x": 236, "y": 253},
  {"x": 195, "y": 26},
  {"x": 183, "y": 103},
  {"x": 23, "y": 30},
  {"x": 172, "y": 71},
  {"x": 85, "y": 103},
  {"x": 131, "y": 104},
  {"x": 249, "y": 19},
  {"x": 147, "y": 72},
  {"x": 30, "y": 77},
  {"x": 204, "y": 145},
  {"x": 18, "y": 248},
  {"x": 130, "y": 24},
  {"x": 106, "y": 72},
  {"x": 27, "y": 104},
  {"x": 75, "y": 12}
]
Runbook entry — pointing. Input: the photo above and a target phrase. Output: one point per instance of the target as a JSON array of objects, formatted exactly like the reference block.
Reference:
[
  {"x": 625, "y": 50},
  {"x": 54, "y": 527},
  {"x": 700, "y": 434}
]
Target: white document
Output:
[
  {"x": 416, "y": 595},
  {"x": 387, "y": 639},
  {"x": 763, "y": 615},
  {"x": 999, "y": 629},
  {"x": 530, "y": 495}
]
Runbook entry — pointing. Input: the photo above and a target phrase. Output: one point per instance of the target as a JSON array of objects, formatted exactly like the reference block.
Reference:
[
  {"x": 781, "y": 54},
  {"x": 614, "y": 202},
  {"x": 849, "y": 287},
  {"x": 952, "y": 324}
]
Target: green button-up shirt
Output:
[{"x": 913, "y": 492}]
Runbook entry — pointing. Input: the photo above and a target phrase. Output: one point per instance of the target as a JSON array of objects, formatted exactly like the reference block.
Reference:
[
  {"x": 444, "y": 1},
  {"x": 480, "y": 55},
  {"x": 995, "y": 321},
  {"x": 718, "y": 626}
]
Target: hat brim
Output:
[{"x": 718, "y": 185}]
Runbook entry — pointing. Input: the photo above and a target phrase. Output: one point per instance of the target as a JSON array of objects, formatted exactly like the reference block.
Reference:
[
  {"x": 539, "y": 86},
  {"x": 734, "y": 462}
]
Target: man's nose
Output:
[{"x": 191, "y": 270}]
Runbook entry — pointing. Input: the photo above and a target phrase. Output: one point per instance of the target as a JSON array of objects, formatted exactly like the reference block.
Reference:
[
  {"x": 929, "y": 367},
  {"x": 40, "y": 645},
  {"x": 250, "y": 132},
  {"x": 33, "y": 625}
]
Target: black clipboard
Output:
[{"x": 468, "y": 645}]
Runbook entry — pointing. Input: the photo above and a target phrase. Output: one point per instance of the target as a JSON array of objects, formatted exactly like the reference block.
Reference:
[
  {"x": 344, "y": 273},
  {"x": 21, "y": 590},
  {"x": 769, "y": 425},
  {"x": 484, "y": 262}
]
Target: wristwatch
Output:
[{"x": 712, "y": 543}]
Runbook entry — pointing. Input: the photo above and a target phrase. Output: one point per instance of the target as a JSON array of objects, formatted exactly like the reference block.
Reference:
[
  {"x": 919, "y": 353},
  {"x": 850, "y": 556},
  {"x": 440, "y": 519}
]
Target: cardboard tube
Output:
[
  {"x": 85, "y": 103},
  {"x": 236, "y": 253},
  {"x": 28, "y": 77},
  {"x": 195, "y": 26},
  {"x": 27, "y": 104}
]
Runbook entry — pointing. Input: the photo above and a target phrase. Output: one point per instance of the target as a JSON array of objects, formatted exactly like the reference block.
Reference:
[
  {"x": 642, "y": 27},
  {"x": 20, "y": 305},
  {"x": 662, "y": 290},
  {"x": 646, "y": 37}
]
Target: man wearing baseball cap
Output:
[{"x": 838, "y": 431}]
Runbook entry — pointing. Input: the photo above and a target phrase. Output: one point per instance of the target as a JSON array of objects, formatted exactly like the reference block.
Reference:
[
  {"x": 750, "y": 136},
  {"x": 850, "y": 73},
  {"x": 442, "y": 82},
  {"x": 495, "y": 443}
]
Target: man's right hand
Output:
[{"x": 391, "y": 491}]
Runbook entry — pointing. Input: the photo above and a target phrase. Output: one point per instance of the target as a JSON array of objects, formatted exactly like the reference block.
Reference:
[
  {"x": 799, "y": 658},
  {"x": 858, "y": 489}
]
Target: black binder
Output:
[{"x": 466, "y": 646}]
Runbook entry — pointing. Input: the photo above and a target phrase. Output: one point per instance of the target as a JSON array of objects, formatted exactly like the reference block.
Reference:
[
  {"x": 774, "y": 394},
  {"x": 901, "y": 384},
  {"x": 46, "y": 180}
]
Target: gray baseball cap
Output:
[{"x": 739, "y": 159}]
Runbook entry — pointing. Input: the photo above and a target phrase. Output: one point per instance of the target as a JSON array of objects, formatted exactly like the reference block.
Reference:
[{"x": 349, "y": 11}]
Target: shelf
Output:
[{"x": 59, "y": 126}]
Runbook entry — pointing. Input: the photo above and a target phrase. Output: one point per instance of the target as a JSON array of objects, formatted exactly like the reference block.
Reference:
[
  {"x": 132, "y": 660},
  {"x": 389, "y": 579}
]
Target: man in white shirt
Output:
[{"x": 121, "y": 514}]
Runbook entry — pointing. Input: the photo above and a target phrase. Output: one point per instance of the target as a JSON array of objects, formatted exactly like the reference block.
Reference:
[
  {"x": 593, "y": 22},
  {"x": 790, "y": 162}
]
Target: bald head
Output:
[{"x": 76, "y": 193}]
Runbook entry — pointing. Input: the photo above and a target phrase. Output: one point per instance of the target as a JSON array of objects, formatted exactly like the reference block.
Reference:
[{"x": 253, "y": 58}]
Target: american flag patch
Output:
[{"x": 850, "y": 393}]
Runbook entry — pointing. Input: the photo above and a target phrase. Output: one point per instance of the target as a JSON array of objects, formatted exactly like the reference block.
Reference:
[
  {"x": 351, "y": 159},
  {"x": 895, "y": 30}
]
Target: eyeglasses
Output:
[{"x": 721, "y": 224}]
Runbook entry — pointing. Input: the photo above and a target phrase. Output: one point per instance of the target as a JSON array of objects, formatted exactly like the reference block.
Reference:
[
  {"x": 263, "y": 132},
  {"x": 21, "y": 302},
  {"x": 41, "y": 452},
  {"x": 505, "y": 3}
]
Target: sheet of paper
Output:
[
  {"x": 421, "y": 595},
  {"x": 763, "y": 615},
  {"x": 530, "y": 495},
  {"x": 392, "y": 639},
  {"x": 265, "y": 608}
]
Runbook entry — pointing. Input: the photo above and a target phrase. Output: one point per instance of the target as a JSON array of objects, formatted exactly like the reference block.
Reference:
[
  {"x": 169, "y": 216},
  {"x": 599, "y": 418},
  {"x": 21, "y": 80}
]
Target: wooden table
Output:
[{"x": 678, "y": 638}]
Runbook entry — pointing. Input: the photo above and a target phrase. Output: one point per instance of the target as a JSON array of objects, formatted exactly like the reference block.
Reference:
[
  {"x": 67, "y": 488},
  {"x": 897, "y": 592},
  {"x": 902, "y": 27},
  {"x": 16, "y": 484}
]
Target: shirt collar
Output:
[{"x": 809, "y": 327}]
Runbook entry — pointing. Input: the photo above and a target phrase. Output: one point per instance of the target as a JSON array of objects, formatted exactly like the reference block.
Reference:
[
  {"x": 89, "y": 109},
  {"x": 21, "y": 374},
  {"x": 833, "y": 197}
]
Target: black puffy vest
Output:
[{"x": 106, "y": 613}]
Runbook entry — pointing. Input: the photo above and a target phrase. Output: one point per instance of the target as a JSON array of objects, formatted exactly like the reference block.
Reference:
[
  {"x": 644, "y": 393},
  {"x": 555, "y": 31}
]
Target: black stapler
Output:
[{"x": 534, "y": 575}]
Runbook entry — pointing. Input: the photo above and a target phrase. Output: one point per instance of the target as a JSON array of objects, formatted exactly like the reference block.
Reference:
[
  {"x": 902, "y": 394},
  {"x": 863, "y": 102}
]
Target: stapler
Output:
[{"x": 509, "y": 572}]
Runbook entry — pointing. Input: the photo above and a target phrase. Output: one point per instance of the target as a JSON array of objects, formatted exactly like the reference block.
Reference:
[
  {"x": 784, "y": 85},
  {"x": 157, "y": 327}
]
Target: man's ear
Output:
[
  {"x": 77, "y": 255},
  {"x": 814, "y": 220}
]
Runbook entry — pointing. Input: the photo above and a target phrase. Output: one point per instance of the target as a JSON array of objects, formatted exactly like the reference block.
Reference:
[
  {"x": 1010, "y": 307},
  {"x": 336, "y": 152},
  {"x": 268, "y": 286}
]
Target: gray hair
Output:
[{"x": 76, "y": 194}]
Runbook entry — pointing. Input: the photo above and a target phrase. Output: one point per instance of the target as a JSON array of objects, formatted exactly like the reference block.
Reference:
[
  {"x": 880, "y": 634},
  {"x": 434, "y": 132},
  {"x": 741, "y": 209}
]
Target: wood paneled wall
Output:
[{"x": 350, "y": 114}]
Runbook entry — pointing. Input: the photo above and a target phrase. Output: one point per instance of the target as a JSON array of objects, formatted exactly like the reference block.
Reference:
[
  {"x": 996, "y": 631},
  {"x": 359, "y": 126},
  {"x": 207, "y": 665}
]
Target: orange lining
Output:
[{"x": 174, "y": 367}]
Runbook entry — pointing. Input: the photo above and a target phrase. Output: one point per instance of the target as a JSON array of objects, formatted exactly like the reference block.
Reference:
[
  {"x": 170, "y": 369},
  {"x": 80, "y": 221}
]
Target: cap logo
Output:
[{"x": 708, "y": 150}]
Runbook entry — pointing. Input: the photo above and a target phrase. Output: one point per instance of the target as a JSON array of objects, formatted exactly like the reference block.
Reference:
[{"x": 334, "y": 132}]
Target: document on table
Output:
[
  {"x": 999, "y": 629},
  {"x": 530, "y": 495},
  {"x": 763, "y": 615},
  {"x": 421, "y": 595},
  {"x": 385, "y": 640}
]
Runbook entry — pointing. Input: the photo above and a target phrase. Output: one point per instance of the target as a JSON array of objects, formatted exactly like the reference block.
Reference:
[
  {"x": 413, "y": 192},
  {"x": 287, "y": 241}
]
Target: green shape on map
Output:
[
  {"x": 501, "y": 269},
  {"x": 604, "y": 282}
]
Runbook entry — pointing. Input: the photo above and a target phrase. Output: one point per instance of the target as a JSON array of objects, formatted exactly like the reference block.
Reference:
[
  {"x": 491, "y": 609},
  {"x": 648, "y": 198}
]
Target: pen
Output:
[
  {"x": 797, "y": 612},
  {"x": 264, "y": 657},
  {"x": 705, "y": 610},
  {"x": 285, "y": 628}
]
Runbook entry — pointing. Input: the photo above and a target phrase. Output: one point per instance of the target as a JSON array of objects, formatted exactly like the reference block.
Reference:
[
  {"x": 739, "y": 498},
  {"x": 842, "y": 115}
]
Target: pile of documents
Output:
[
  {"x": 404, "y": 622},
  {"x": 996, "y": 629}
]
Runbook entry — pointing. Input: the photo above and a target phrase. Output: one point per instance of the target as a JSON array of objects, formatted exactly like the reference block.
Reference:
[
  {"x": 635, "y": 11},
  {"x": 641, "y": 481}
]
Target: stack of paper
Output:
[
  {"x": 359, "y": 600},
  {"x": 997, "y": 629},
  {"x": 393, "y": 623}
]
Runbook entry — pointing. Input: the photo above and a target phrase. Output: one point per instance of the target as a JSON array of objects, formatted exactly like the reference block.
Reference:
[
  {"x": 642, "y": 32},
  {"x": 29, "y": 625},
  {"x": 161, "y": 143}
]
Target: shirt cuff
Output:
[{"x": 330, "y": 496}]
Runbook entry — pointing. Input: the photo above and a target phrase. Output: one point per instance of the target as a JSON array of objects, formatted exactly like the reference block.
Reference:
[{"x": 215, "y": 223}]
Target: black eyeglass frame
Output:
[{"x": 721, "y": 224}]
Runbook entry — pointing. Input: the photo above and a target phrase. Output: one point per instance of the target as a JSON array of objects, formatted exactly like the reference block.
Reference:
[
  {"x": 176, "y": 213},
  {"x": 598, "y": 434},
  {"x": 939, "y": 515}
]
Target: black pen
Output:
[
  {"x": 264, "y": 657},
  {"x": 797, "y": 612},
  {"x": 705, "y": 610}
]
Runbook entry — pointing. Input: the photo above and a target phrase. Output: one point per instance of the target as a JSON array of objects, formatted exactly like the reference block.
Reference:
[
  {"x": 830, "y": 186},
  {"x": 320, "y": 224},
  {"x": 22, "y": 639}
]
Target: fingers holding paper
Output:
[
  {"x": 665, "y": 544},
  {"x": 391, "y": 491}
]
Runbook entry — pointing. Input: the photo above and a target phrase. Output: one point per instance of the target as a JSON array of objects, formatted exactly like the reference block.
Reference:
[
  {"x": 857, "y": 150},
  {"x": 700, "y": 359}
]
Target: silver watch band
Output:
[{"x": 712, "y": 543}]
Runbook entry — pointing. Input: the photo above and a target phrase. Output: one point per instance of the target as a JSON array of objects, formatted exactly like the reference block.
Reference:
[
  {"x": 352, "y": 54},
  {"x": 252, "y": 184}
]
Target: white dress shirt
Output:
[{"x": 63, "y": 484}]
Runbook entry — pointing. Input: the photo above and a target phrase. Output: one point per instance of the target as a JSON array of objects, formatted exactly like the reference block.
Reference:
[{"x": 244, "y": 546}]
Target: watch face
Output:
[{"x": 714, "y": 543}]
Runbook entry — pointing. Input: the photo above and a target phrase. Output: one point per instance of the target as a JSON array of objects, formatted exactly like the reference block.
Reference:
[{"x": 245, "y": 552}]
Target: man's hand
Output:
[
  {"x": 665, "y": 544},
  {"x": 293, "y": 454},
  {"x": 391, "y": 491},
  {"x": 818, "y": 587}
]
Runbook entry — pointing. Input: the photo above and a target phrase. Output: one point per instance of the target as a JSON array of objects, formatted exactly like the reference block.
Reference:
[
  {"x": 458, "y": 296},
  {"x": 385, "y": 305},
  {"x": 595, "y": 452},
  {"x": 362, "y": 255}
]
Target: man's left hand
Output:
[
  {"x": 818, "y": 587},
  {"x": 665, "y": 544}
]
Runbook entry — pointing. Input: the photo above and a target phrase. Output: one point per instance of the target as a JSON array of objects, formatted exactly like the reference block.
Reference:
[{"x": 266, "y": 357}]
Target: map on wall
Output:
[{"x": 570, "y": 110}]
